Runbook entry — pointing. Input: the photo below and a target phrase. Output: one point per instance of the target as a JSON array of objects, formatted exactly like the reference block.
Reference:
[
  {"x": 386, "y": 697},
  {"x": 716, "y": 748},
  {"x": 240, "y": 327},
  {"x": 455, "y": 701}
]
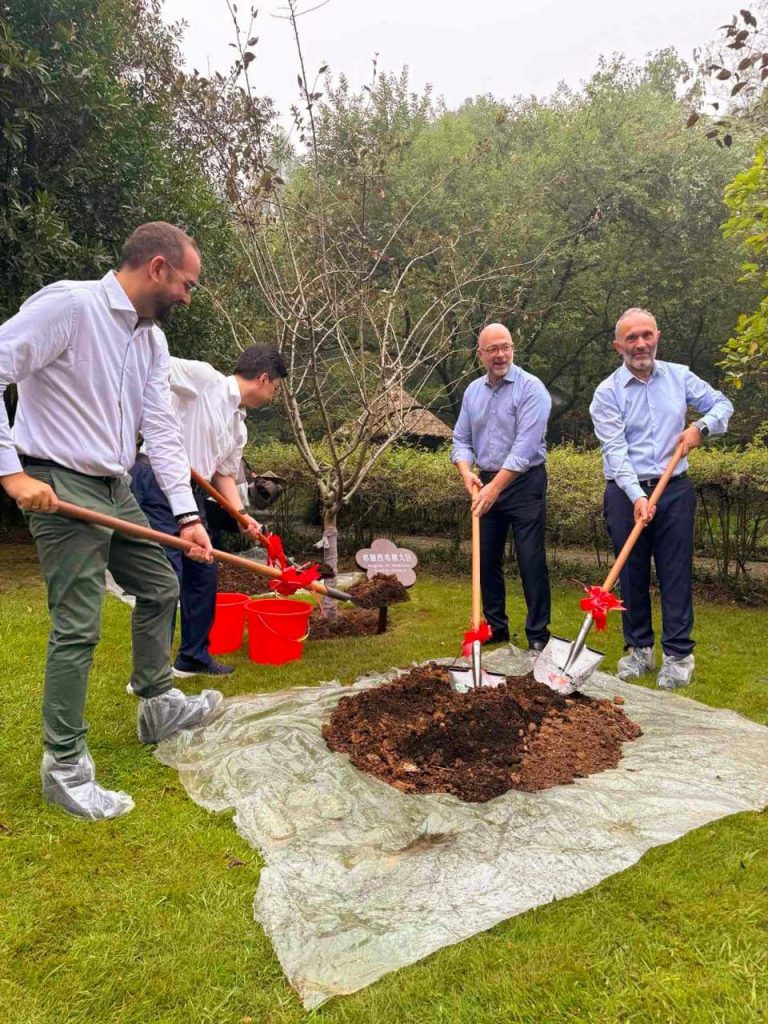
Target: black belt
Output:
[
  {"x": 32, "y": 460},
  {"x": 486, "y": 475},
  {"x": 655, "y": 479},
  {"x": 143, "y": 459}
]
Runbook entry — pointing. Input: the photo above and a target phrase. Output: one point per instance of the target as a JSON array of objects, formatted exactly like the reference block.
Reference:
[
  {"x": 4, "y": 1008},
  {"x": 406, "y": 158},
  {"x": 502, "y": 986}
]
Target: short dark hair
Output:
[
  {"x": 157, "y": 238},
  {"x": 258, "y": 359}
]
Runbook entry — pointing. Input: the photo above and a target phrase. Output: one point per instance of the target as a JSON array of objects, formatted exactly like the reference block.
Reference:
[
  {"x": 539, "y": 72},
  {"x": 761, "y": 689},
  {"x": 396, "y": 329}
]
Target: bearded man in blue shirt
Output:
[
  {"x": 639, "y": 415},
  {"x": 501, "y": 428}
]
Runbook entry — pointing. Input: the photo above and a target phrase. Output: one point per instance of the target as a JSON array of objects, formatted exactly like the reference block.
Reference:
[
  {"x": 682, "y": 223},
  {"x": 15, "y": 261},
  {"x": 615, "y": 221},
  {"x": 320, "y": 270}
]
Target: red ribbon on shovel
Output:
[
  {"x": 275, "y": 553},
  {"x": 292, "y": 580},
  {"x": 482, "y": 633},
  {"x": 598, "y": 604}
]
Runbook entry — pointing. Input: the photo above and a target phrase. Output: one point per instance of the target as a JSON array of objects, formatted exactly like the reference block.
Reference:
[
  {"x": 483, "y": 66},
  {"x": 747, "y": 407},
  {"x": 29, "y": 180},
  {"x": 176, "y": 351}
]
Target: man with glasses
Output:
[
  {"x": 639, "y": 417},
  {"x": 211, "y": 410},
  {"x": 501, "y": 429},
  {"x": 92, "y": 366}
]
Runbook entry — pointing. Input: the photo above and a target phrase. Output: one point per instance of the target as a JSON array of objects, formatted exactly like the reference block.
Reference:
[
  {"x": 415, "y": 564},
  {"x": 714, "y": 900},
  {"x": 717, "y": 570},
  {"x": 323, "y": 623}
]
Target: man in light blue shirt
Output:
[
  {"x": 501, "y": 428},
  {"x": 639, "y": 415}
]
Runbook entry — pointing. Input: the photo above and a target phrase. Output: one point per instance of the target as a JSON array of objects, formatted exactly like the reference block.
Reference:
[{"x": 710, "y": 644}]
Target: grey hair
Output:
[{"x": 632, "y": 311}]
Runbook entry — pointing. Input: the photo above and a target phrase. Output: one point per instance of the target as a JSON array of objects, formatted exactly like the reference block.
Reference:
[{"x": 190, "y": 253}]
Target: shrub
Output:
[{"x": 414, "y": 492}]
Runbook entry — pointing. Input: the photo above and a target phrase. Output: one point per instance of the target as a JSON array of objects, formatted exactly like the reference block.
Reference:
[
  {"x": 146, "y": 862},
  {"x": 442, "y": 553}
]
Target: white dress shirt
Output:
[
  {"x": 207, "y": 405},
  {"x": 91, "y": 375}
]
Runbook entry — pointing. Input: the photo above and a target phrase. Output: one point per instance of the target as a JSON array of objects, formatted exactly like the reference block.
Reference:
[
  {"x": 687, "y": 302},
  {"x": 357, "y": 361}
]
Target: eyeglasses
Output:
[
  {"x": 189, "y": 286},
  {"x": 497, "y": 350}
]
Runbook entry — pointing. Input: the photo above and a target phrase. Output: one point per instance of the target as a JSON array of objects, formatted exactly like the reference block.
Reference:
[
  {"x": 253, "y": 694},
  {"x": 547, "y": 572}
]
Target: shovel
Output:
[
  {"x": 564, "y": 666},
  {"x": 241, "y": 520},
  {"x": 463, "y": 679},
  {"x": 65, "y": 508}
]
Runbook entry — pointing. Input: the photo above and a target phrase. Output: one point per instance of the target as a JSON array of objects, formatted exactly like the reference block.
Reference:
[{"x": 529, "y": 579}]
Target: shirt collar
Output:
[
  {"x": 626, "y": 376},
  {"x": 510, "y": 375},
  {"x": 120, "y": 302},
  {"x": 233, "y": 391}
]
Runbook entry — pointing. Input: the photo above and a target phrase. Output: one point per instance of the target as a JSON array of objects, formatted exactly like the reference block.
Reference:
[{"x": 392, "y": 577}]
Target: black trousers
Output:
[
  {"x": 669, "y": 540},
  {"x": 522, "y": 507}
]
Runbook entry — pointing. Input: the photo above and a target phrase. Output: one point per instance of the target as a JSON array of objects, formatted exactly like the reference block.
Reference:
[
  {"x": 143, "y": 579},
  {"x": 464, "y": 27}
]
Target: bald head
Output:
[
  {"x": 494, "y": 334},
  {"x": 495, "y": 350}
]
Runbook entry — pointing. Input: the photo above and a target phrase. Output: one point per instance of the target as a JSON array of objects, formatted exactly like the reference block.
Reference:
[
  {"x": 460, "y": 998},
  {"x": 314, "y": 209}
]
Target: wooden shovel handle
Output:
[
  {"x": 225, "y": 503},
  {"x": 65, "y": 508},
  {"x": 631, "y": 540},
  {"x": 476, "y": 601}
]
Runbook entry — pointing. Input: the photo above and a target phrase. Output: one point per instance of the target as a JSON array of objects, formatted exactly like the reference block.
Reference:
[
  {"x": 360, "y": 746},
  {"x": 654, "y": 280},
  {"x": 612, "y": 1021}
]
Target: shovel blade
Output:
[
  {"x": 464, "y": 679},
  {"x": 548, "y": 667}
]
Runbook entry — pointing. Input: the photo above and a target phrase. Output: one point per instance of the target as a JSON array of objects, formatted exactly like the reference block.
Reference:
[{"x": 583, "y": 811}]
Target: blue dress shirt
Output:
[
  {"x": 638, "y": 422},
  {"x": 503, "y": 427}
]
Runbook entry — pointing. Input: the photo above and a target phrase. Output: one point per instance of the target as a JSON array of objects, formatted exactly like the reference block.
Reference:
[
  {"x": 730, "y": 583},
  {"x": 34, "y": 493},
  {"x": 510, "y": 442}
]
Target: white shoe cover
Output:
[
  {"x": 162, "y": 716},
  {"x": 675, "y": 672},
  {"x": 637, "y": 663},
  {"x": 72, "y": 786}
]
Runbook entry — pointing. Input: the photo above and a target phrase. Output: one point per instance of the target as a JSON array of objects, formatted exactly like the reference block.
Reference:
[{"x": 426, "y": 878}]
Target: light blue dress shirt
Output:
[
  {"x": 638, "y": 422},
  {"x": 503, "y": 427}
]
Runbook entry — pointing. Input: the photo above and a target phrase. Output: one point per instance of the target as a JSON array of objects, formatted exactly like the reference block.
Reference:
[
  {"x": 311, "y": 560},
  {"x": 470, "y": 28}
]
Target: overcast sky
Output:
[{"x": 505, "y": 47}]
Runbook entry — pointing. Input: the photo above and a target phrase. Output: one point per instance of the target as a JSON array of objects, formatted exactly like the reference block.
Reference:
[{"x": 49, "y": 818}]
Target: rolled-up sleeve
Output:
[
  {"x": 609, "y": 428},
  {"x": 30, "y": 340},
  {"x": 532, "y": 418},
  {"x": 163, "y": 438},
  {"x": 461, "y": 449},
  {"x": 715, "y": 408}
]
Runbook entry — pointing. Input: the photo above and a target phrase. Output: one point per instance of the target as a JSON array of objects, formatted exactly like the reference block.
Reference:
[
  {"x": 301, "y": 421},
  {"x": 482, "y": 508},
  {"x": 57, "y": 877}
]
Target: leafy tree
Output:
[
  {"x": 611, "y": 203},
  {"x": 92, "y": 146},
  {"x": 740, "y": 112}
]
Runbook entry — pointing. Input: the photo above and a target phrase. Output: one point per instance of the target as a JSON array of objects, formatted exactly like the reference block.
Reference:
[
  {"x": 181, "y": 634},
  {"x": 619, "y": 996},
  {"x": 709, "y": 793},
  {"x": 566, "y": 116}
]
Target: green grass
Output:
[{"x": 145, "y": 920}]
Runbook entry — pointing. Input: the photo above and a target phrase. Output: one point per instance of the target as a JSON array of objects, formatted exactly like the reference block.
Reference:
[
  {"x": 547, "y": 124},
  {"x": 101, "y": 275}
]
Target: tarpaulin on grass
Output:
[{"x": 360, "y": 879}]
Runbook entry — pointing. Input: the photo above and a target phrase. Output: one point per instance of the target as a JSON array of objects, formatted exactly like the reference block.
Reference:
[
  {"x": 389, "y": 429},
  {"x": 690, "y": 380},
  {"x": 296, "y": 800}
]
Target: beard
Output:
[{"x": 164, "y": 308}]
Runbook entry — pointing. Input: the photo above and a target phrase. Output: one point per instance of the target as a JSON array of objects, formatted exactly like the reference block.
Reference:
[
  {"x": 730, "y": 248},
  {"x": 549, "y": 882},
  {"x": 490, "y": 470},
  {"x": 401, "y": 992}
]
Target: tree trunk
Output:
[{"x": 330, "y": 554}]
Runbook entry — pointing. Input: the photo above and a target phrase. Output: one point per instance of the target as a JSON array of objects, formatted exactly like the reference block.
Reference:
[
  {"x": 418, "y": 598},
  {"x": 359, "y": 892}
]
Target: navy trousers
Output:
[
  {"x": 668, "y": 539},
  {"x": 521, "y": 507},
  {"x": 197, "y": 580}
]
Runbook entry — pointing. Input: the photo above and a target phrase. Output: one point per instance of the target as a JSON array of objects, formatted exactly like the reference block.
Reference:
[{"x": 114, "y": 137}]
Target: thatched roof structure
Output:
[{"x": 397, "y": 410}]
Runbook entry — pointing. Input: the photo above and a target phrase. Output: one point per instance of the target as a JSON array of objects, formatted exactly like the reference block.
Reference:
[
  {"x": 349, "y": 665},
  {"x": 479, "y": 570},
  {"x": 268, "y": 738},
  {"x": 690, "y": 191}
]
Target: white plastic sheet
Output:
[{"x": 360, "y": 879}]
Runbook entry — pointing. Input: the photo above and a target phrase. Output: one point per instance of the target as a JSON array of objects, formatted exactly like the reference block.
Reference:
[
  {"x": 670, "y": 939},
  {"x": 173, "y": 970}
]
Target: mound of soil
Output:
[
  {"x": 419, "y": 735},
  {"x": 382, "y": 589},
  {"x": 355, "y": 622},
  {"x": 234, "y": 580}
]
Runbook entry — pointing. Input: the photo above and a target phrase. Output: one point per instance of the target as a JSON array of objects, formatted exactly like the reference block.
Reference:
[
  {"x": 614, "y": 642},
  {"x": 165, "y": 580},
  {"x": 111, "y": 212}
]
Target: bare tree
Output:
[{"x": 364, "y": 295}]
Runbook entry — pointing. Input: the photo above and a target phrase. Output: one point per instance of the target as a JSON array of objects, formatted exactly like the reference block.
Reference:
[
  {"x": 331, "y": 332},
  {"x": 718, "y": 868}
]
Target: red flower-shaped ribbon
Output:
[
  {"x": 275, "y": 553},
  {"x": 483, "y": 632},
  {"x": 292, "y": 580},
  {"x": 599, "y": 603}
]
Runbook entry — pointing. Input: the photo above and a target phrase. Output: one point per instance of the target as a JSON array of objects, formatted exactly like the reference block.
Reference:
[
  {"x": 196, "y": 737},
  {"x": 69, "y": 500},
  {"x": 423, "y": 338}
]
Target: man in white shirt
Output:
[
  {"x": 92, "y": 369},
  {"x": 211, "y": 411}
]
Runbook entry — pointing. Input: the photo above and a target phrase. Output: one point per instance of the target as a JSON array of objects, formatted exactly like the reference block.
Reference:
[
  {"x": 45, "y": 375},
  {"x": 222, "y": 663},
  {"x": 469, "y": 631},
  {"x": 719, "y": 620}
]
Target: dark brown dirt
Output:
[
  {"x": 352, "y": 622},
  {"x": 419, "y": 735},
  {"x": 382, "y": 589},
  {"x": 234, "y": 580}
]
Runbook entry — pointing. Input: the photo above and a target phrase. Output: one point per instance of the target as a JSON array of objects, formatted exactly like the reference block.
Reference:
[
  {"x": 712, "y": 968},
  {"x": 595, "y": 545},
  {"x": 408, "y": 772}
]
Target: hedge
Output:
[{"x": 414, "y": 492}]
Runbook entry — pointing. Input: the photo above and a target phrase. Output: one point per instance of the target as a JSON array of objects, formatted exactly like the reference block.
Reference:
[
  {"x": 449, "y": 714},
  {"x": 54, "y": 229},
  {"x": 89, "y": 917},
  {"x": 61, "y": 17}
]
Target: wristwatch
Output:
[
  {"x": 187, "y": 519},
  {"x": 702, "y": 428}
]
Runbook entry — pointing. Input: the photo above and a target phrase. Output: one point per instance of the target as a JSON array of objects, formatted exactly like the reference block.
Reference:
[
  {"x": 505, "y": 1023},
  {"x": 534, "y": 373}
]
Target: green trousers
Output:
[{"x": 73, "y": 558}]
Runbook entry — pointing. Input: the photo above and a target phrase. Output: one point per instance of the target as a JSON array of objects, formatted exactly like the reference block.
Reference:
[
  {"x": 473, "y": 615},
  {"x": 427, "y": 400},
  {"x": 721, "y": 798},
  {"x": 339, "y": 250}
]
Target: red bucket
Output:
[
  {"x": 226, "y": 633},
  {"x": 277, "y": 629}
]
